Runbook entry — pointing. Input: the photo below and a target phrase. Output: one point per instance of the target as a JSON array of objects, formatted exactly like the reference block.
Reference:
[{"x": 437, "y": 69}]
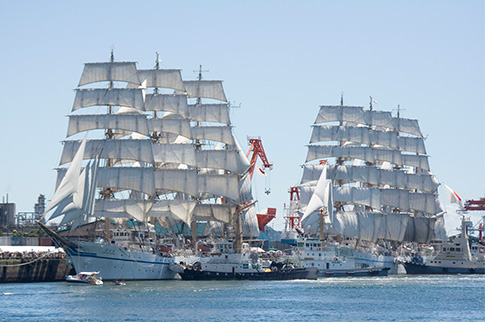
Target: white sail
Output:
[
  {"x": 368, "y": 154},
  {"x": 213, "y": 133},
  {"x": 407, "y": 126},
  {"x": 109, "y": 96},
  {"x": 380, "y": 119},
  {"x": 134, "y": 150},
  {"x": 136, "y": 209},
  {"x": 420, "y": 229},
  {"x": 128, "y": 178},
  {"x": 161, "y": 78},
  {"x": 167, "y": 102},
  {"x": 175, "y": 154},
  {"x": 356, "y": 115},
  {"x": 250, "y": 222},
  {"x": 185, "y": 181},
  {"x": 319, "y": 197},
  {"x": 174, "y": 126},
  {"x": 130, "y": 123},
  {"x": 113, "y": 71},
  {"x": 217, "y": 212},
  {"x": 373, "y": 175},
  {"x": 69, "y": 183},
  {"x": 353, "y": 114},
  {"x": 176, "y": 209},
  {"x": 218, "y": 113},
  {"x": 220, "y": 185},
  {"x": 242, "y": 160},
  {"x": 218, "y": 159},
  {"x": 205, "y": 89}
]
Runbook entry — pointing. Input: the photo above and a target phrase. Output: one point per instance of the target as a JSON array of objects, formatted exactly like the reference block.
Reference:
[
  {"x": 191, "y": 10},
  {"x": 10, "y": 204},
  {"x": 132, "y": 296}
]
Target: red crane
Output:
[
  {"x": 477, "y": 205},
  {"x": 256, "y": 147}
]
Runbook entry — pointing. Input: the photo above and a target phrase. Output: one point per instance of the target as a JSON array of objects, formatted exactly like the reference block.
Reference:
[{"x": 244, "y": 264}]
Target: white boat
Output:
[
  {"x": 453, "y": 258},
  {"x": 334, "y": 260},
  {"x": 367, "y": 185},
  {"x": 162, "y": 153},
  {"x": 85, "y": 278}
]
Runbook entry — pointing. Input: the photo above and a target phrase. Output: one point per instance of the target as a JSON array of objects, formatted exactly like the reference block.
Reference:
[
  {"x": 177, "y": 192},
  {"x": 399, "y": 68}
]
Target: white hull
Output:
[
  {"x": 378, "y": 261},
  {"x": 117, "y": 263}
]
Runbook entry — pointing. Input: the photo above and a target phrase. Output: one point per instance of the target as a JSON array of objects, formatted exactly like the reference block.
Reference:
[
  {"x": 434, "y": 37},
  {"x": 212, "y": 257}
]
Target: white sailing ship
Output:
[
  {"x": 160, "y": 151},
  {"x": 367, "y": 181}
]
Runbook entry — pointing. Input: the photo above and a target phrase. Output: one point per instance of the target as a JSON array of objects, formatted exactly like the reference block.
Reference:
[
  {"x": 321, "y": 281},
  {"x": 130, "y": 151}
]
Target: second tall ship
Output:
[{"x": 367, "y": 187}]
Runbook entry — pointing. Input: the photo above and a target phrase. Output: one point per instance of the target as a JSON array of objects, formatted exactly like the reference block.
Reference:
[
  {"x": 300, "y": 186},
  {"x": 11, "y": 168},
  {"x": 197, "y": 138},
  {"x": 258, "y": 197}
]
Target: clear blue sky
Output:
[{"x": 279, "y": 60}]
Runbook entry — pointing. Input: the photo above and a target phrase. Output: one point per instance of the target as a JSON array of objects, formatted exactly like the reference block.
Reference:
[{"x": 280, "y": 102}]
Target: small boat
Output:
[
  {"x": 118, "y": 282},
  {"x": 85, "y": 278}
]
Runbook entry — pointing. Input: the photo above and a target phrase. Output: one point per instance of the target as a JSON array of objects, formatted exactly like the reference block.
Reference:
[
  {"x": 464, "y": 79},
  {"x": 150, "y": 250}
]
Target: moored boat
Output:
[
  {"x": 333, "y": 260},
  {"x": 454, "y": 258}
]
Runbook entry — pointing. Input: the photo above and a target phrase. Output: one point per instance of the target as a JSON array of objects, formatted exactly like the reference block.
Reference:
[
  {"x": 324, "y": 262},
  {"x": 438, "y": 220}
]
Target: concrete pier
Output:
[{"x": 28, "y": 270}]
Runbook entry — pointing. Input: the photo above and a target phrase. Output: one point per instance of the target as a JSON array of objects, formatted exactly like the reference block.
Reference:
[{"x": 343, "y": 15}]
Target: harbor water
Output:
[{"x": 392, "y": 298}]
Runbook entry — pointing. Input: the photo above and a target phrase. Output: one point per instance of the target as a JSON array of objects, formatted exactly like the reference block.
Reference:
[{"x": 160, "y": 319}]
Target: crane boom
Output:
[{"x": 256, "y": 147}]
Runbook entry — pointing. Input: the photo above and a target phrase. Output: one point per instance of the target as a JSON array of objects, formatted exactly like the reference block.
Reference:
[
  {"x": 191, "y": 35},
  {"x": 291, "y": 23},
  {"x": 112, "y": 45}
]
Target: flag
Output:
[
  {"x": 453, "y": 196},
  {"x": 374, "y": 102}
]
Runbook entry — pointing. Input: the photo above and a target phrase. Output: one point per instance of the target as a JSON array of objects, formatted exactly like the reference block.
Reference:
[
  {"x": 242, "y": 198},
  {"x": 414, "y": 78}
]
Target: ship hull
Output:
[
  {"x": 114, "y": 262},
  {"x": 117, "y": 263},
  {"x": 423, "y": 269},
  {"x": 355, "y": 272},
  {"x": 290, "y": 274},
  {"x": 376, "y": 261}
]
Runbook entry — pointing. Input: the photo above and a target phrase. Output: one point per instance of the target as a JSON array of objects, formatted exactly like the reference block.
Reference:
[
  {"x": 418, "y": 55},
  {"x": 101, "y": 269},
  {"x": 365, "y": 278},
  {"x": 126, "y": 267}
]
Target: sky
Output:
[{"x": 279, "y": 60}]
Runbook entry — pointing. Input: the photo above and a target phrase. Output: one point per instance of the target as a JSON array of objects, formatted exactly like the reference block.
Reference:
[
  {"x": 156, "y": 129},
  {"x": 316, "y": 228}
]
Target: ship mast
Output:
[
  {"x": 109, "y": 135},
  {"x": 197, "y": 147}
]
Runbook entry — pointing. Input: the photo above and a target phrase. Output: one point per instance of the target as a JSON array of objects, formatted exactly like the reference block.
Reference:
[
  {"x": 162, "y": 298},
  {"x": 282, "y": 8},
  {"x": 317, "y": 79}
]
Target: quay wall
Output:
[{"x": 28, "y": 270}]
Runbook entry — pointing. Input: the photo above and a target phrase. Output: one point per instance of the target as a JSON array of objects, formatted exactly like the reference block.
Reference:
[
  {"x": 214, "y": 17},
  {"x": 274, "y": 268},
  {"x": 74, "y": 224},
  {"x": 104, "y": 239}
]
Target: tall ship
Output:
[
  {"x": 367, "y": 185},
  {"x": 160, "y": 155}
]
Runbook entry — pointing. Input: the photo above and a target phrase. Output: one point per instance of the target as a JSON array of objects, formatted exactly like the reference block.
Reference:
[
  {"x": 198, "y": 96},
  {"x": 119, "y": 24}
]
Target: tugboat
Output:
[
  {"x": 227, "y": 264},
  {"x": 454, "y": 258}
]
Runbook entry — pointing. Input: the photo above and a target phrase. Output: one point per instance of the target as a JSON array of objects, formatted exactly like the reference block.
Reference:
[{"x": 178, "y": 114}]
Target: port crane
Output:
[
  {"x": 256, "y": 148},
  {"x": 477, "y": 205}
]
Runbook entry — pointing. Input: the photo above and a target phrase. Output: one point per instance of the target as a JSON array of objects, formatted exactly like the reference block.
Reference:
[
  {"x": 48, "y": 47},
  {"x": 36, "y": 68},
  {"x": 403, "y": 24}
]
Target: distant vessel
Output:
[
  {"x": 367, "y": 184},
  {"x": 163, "y": 157},
  {"x": 454, "y": 258},
  {"x": 227, "y": 264}
]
